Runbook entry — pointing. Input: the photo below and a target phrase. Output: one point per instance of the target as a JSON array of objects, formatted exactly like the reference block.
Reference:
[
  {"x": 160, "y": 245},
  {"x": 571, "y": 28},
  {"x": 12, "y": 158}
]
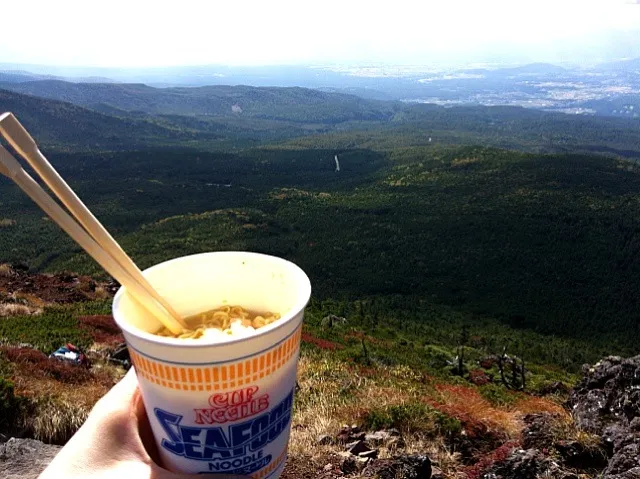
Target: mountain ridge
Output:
[
  {"x": 218, "y": 100},
  {"x": 63, "y": 124}
]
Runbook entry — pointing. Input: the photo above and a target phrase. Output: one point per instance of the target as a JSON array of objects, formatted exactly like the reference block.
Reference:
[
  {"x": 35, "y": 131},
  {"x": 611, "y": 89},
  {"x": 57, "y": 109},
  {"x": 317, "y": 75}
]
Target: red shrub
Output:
[
  {"x": 32, "y": 363},
  {"x": 65, "y": 372},
  {"x": 22, "y": 355},
  {"x": 487, "y": 363},
  {"x": 467, "y": 405},
  {"x": 321, "y": 343},
  {"x": 496, "y": 456},
  {"x": 479, "y": 377},
  {"x": 102, "y": 328}
]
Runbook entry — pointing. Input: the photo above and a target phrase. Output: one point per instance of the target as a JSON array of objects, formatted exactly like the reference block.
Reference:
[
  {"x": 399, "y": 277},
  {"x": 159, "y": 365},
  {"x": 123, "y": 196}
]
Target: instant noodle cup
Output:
[{"x": 223, "y": 406}]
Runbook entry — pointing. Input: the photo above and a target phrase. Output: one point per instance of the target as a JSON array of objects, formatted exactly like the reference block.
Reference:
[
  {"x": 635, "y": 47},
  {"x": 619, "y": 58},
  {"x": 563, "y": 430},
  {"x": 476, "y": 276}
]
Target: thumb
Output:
[{"x": 119, "y": 398}]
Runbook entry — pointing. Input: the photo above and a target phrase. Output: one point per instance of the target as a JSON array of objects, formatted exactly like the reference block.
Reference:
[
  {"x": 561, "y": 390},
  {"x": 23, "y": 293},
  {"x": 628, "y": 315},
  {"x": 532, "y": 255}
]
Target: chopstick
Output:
[
  {"x": 23, "y": 142},
  {"x": 10, "y": 167}
]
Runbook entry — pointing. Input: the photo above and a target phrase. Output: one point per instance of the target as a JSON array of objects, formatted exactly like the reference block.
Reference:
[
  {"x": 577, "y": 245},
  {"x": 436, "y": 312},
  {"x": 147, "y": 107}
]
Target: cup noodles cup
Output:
[{"x": 220, "y": 407}]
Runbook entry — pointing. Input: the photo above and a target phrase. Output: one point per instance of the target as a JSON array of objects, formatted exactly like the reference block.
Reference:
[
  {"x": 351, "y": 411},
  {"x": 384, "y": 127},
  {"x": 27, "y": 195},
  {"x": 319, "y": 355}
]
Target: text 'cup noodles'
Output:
[{"x": 220, "y": 405}]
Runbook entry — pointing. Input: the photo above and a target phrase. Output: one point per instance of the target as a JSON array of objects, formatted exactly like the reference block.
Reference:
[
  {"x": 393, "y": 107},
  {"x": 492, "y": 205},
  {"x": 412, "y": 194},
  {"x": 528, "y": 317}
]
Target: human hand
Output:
[{"x": 115, "y": 442}]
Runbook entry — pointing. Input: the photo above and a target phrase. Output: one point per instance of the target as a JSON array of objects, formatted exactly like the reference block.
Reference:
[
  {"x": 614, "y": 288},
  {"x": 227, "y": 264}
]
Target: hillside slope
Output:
[
  {"x": 63, "y": 124},
  {"x": 294, "y": 104}
]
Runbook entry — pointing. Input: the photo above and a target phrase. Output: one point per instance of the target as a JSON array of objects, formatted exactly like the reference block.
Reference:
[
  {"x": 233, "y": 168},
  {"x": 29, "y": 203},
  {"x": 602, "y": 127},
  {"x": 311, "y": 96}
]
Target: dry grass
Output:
[
  {"x": 16, "y": 309},
  {"x": 533, "y": 404},
  {"x": 466, "y": 404},
  {"x": 55, "y": 420},
  {"x": 6, "y": 222},
  {"x": 101, "y": 293},
  {"x": 6, "y": 270},
  {"x": 332, "y": 395},
  {"x": 565, "y": 429},
  {"x": 29, "y": 299},
  {"x": 318, "y": 402},
  {"x": 57, "y": 409}
]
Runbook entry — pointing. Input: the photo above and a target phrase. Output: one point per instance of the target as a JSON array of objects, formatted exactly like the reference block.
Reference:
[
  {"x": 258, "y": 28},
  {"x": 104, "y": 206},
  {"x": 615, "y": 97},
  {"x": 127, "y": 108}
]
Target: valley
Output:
[{"x": 450, "y": 239}]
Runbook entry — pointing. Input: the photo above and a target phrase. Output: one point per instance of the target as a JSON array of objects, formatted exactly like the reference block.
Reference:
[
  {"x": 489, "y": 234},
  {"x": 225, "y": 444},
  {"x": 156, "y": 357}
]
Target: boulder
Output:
[
  {"x": 624, "y": 461},
  {"x": 607, "y": 394},
  {"x": 606, "y": 402},
  {"x": 528, "y": 464},
  {"x": 577, "y": 455},
  {"x": 25, "y": 458},
  {"x": 356, "y": 447}
]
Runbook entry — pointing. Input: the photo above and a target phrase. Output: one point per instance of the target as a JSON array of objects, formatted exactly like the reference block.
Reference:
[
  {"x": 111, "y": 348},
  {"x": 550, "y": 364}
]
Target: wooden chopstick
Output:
[
  {"x": 10, "y": 167},
  {"x": 22, "y": 141}
]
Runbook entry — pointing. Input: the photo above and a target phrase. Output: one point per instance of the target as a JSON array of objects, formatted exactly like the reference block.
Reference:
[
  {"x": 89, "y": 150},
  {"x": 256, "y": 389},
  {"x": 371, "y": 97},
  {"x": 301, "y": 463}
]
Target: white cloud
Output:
[{"x": 188, "y": 32}]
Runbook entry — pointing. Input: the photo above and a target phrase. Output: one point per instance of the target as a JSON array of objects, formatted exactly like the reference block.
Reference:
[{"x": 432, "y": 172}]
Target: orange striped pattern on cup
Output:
[
  {"x": 217, "y": 377},
  {"x": 273, "y": 465}
]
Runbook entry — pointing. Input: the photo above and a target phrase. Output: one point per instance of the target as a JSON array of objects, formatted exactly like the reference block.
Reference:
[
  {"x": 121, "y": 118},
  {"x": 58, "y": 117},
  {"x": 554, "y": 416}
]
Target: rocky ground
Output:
[
  {"x": 404, "y": 423},
  {"x": 22, "y": 292}
]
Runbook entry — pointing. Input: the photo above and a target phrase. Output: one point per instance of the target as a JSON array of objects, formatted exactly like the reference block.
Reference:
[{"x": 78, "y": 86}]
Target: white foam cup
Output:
[{"x": 223, "y": 406}]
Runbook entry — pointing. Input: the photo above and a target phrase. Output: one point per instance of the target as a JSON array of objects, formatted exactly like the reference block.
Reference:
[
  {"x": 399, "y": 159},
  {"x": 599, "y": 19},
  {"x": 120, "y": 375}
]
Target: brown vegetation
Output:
[{"x": 102, "y": 329}]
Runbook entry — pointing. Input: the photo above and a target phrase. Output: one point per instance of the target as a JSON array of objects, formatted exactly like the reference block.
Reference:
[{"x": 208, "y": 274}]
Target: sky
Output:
[{"x": 275, "y": 32}]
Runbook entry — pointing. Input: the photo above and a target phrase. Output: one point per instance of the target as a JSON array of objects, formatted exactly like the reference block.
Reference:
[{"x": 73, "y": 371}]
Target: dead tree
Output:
[
  {"x": 365, "y": 352},
  {"x": 460, "y": 368},
  {"x": 517, "y": 381},
  {"x": 463, "y": 340}
]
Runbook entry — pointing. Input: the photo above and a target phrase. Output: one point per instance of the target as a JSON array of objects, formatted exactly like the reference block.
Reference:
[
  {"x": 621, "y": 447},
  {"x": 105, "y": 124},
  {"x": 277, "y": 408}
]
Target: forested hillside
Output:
[
  {"x": 294, "y": 104},
  {"x": 66, "y": 126}
]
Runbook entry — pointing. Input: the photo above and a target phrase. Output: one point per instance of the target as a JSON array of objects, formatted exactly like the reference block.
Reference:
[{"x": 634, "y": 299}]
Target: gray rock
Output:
[
  {"x": 356, "y": 447},
  {"x": 377, "y": 438},
  {"x": 352, "y": 464},
  {"x": 624, "y": 460},
  {"x": 350, "y": 434},
  {"x": 575, "y": 454},
  {"x": 406, "y": 467},
  {"x": 539, "y": 430},
  {"x": 528, "y": 464},
  {"x": 372, "y": 454},
  {"x": 607, "y": 403},
  {"x": 324, "y": 440},
  {"x": 630, "y": 474},
  {"x": 25, "y": 458}
]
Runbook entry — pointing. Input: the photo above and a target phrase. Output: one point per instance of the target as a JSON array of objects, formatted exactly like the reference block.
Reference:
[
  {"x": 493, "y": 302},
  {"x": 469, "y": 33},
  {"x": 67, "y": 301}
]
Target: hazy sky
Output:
[{"x": 139, "y": 33}]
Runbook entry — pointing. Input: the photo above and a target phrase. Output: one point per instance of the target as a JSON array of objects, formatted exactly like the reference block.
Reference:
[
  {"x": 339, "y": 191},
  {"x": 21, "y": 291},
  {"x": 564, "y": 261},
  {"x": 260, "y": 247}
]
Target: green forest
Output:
[{"x": 500, "y": 220}]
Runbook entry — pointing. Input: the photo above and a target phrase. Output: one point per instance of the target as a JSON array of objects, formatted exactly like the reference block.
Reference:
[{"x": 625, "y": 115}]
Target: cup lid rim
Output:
[{"x": 173, "y": 342}]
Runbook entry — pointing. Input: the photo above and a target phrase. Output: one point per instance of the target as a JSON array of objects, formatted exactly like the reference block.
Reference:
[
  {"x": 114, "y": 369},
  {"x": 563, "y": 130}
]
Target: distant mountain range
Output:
[
  {"x": 530, "y": 69},
  {"x": 125, "y": 116},
  {"x": 20, "y": 76},
  {"x": 631, "y": 65},
  {"x": 609, "y": 89},
  {"x": 287, "y": 104}
]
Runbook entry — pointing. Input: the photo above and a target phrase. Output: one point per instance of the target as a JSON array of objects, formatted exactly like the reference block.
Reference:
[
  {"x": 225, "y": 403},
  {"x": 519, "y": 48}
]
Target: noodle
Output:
[{"x": 221, "y": 318}]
